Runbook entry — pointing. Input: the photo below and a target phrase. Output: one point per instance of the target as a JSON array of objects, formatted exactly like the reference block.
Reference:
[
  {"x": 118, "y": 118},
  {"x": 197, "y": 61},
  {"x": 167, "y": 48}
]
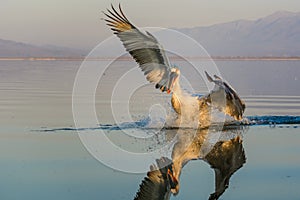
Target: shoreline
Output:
[{"x": 127, "y": 58}]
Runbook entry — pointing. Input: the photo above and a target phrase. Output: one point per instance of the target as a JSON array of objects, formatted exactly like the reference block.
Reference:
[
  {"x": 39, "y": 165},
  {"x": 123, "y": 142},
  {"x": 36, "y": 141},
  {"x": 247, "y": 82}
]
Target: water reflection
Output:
[{"x": 222, "y": 150}]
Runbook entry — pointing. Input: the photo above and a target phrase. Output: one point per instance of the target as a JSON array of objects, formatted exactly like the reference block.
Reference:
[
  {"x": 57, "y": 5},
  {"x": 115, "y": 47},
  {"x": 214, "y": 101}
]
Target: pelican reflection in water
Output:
[
  {"x": 224, "y": 156},
  {"x": 153, "y": 61}
]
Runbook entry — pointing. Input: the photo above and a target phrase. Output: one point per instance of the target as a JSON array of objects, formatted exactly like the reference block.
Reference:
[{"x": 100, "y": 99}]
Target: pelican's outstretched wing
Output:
[
  {"x": 143, "y": 47},
  {"x": 156, "y": 186},
  {"x": 233, "y": 106}
]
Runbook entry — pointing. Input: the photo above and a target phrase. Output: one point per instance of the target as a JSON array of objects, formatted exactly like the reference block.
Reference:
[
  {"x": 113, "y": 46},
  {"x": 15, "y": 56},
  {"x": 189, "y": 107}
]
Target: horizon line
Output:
[{"x": 128, "y": 58}]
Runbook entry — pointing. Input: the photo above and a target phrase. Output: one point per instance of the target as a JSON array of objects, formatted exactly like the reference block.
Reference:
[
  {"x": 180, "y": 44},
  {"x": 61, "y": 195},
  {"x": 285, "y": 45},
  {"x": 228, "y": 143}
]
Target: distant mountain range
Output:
[
  {"x": 275, "y": 35},
  {"x": 10, "y": 48}
]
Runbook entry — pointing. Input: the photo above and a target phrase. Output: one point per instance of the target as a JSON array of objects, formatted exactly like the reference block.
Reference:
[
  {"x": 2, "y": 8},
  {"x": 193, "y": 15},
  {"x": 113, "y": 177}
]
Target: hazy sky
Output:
[{"x": 76, "y": 23}]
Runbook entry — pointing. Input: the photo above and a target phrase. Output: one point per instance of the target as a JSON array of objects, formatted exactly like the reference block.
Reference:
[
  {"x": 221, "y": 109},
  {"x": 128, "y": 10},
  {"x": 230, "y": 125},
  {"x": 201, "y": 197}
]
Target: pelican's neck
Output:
[{"x": 176, "y": 88}]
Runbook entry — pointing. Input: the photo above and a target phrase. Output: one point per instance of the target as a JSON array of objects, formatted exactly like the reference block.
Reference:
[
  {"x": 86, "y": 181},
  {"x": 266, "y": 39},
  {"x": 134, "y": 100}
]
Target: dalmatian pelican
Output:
[{"x": 152, "y": 59}]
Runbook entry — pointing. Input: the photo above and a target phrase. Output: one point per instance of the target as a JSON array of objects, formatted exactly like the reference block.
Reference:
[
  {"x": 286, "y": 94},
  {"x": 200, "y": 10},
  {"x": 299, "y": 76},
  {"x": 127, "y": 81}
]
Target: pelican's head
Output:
[
  {"x": 174, "y": 183},
  {"x": 174, "y": 75}
]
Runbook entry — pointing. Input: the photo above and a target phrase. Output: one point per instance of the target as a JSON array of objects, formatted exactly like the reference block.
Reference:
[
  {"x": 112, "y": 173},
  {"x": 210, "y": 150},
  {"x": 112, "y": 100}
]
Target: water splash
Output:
[
  {"x": 273, "y": 120},
  {"x": 146, "y": 123}
]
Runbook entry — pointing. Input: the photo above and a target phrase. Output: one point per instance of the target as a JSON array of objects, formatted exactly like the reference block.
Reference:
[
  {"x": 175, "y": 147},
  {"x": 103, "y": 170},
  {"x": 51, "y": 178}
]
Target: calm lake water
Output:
[{"x": 42, "y": 156}]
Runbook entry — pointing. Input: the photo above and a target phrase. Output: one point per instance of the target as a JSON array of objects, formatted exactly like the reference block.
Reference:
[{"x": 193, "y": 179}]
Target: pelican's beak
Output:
[
  {"x": 173, "y": 182},
  {"x": 173, "y": 78}
]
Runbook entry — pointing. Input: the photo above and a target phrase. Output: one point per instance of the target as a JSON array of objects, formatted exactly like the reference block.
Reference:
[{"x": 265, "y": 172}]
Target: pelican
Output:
[{"x": 152, "y": 59}]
